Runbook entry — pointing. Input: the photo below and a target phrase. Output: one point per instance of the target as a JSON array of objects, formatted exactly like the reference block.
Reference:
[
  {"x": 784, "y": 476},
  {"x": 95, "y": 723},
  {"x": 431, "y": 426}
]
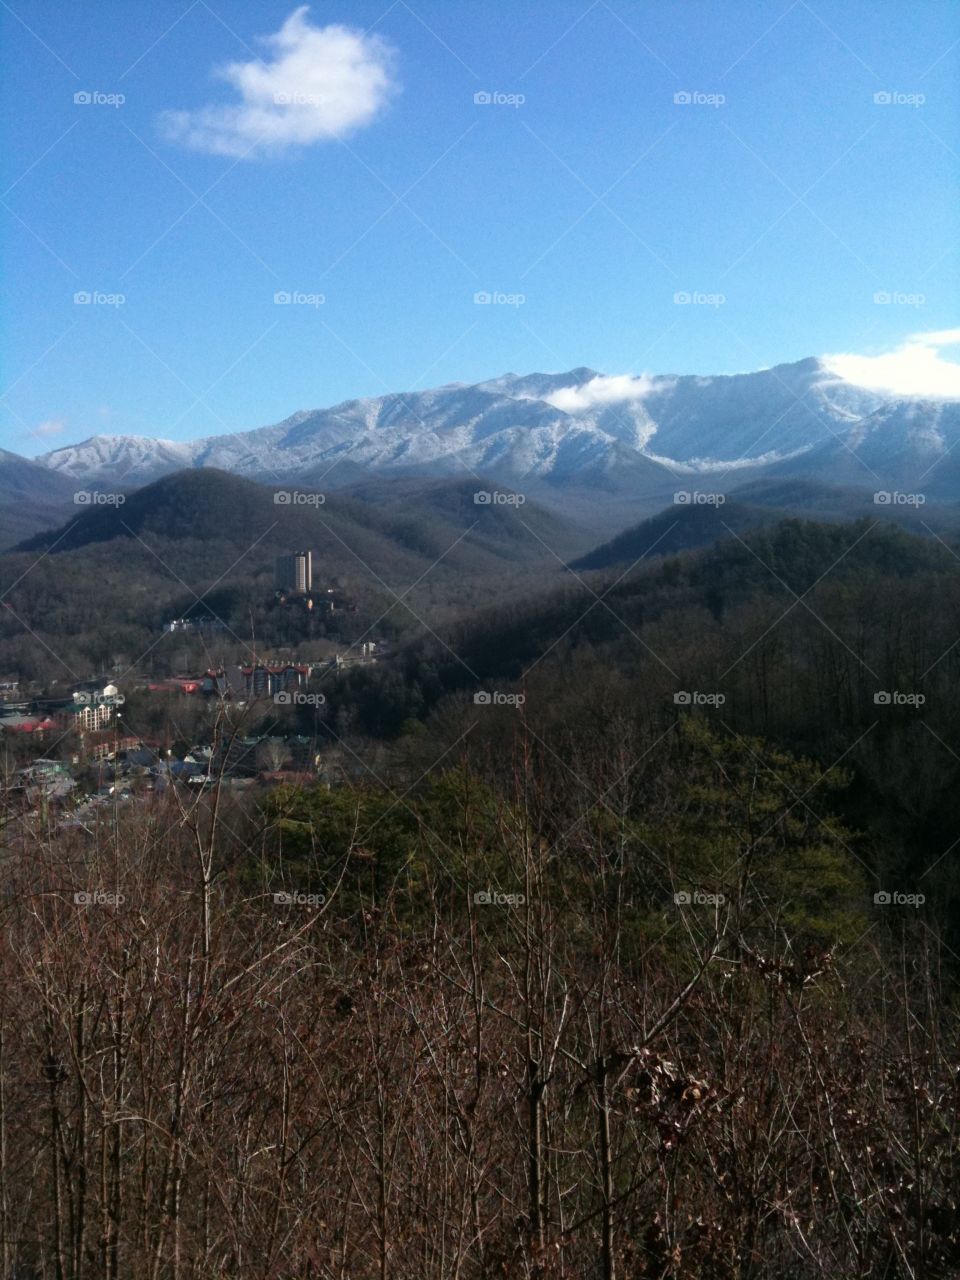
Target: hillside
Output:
[
  {"x": 679, "y": 528},
  {"x": 756, "y": 505},
  {"x": 835, "y": 641},
  {"x": 31, "y": 498},
  {"x": 202, "y": 542},
  {"x": 386, "y": 525},
  {"x": 768, "y": 566},
  {"x": 426, "y": 512}
]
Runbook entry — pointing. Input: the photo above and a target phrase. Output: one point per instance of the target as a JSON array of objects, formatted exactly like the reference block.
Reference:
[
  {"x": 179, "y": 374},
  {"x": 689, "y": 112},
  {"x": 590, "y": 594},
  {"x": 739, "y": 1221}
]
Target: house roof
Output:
[{"x": 25, "y": 723}]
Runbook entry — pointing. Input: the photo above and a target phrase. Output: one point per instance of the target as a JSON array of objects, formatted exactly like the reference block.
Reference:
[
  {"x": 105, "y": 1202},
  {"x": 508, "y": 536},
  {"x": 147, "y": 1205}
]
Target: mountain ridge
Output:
[{"x": 578, "y": 431}]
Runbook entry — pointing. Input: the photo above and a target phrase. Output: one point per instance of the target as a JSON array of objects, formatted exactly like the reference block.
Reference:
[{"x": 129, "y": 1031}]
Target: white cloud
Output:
[
  {"x": 600, "y": 391},
  {"x": 50, "y": 427},
  {"x": 937, "y": 338},
  {"x": 915, "y": 368},
  {"x": 315, "y": 83}
]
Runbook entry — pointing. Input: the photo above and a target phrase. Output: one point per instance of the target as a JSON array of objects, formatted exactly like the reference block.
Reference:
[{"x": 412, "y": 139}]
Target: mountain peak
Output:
[
  {"x": 534, "y": 386},
  {"x": 128, "y": 460},
  {"x": 563, "y": 429}
]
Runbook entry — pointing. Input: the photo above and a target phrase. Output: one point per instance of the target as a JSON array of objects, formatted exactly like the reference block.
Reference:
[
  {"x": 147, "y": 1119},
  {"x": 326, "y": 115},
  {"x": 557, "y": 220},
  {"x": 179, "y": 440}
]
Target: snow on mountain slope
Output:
[
  {"x": 908, "y": 445},
  {"x": 122, "y": 460},
  {"x": 565, "y": 428}
]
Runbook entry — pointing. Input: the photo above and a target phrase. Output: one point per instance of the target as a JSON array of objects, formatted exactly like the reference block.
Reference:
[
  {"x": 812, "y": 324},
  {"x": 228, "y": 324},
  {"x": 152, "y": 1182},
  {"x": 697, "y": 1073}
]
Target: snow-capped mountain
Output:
[
  {"x": 128, "y": 460},
  {"x": 576, "y": 429}
]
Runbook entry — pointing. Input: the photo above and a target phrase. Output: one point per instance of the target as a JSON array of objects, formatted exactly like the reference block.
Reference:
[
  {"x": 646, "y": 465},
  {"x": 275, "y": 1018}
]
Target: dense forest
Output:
[
  {"x": 834, "y": 642},
  {"x": 95, "y": 594},
  {"x": 563, "y": 1005},
  {"x": 624, "y": 945}
]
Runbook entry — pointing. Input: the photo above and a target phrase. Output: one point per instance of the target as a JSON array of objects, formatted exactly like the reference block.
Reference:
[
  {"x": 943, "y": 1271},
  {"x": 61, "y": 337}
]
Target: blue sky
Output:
[{"x": 783, "y": 198}]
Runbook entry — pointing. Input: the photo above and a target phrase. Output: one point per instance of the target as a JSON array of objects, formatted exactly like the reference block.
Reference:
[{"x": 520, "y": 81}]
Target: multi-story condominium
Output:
[{"x": 295, "y": 572}]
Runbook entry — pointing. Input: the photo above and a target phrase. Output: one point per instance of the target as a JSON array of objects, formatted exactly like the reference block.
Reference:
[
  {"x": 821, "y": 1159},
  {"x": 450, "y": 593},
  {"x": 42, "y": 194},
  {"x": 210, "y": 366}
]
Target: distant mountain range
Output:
[{"x": 569, "y": 439}]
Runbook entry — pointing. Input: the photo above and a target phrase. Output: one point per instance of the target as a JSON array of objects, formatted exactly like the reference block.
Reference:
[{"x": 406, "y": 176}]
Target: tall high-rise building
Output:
[{"x": 295, "y": 572}]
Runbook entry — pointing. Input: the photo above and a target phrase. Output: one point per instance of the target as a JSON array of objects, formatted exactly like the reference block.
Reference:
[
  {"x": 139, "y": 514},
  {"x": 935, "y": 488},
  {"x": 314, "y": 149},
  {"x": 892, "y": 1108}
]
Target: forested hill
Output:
[
  {"x": 764, "y": 568},
  {"x": 836, "y": 642},
  {"x": 385, "y": 523},
  {"x": 678, "y": 528},
  {"x": 698, "y": 519},
  {"x": 850, "y": 597},
  {"x": 202, "y": 541},
  {"x": 31, "y": 497}
]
